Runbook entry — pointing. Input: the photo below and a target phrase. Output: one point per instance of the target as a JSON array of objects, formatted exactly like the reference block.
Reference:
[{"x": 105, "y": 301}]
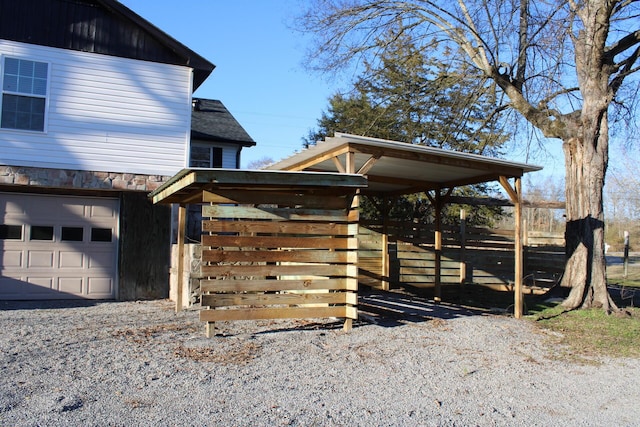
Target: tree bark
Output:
[{"x": 586, "y": 160}]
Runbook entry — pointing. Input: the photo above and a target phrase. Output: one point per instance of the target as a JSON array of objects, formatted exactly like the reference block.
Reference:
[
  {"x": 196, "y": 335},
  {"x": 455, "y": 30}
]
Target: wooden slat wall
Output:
[
  {"x": 488, "y": 256},
  {"x": 294, "y": 259}
]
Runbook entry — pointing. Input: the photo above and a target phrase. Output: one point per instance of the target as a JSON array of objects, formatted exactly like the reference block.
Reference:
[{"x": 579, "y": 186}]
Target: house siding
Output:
[{"x": 105, "y": 114}]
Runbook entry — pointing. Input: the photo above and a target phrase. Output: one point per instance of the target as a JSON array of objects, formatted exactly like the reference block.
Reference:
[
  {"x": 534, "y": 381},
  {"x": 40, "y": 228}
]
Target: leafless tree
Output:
[{"x": 560, "y": 64}]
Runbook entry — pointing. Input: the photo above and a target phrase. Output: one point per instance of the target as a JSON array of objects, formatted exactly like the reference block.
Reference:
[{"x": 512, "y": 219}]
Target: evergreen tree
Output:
[{"x": 410, "y": 98}]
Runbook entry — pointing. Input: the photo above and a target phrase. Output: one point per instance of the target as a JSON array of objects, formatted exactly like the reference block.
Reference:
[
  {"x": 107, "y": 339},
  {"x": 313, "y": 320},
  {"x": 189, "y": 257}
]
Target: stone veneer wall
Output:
[{"x": 65, "y": 178}]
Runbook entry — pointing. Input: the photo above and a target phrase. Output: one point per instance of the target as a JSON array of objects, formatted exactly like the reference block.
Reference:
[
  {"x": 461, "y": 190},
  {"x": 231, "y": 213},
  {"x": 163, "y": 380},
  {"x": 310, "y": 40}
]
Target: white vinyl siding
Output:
[{"x": 105, "y": 114}]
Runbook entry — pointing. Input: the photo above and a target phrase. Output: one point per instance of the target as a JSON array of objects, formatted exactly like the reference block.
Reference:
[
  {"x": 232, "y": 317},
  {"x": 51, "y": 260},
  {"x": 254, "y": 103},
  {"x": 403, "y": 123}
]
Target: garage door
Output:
[{"x": 57, "y": 247}]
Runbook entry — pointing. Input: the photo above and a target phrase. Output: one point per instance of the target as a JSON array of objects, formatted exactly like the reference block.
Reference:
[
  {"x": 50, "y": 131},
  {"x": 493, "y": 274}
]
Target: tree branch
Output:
[{"x": 621, "y": 45}]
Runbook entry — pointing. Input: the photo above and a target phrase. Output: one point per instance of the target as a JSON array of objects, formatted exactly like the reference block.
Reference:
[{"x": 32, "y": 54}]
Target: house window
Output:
[
  {"x": 205, "y": 157},
  {"x": 24, "y": 94}
]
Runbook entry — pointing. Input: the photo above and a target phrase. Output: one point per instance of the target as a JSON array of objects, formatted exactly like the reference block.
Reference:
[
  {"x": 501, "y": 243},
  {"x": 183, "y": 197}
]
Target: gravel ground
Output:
[{"x": 139, "y": 364}]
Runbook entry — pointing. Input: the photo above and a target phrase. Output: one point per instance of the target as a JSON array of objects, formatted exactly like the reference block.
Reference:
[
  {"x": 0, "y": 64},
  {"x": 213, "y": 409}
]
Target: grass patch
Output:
[{"x": 593, "y": 333}]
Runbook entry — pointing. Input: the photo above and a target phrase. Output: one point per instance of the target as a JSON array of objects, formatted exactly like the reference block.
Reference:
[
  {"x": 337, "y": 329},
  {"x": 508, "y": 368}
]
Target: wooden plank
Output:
[
  {"x": 310, "y": 200},
  {"x": 165, "y": 194},
  {"x": 182, "y": 221},
  {"x": 278, "y": 313},
  {"x": 281, "y": 227},
  {"x": 290, "y": 214},
  {"x": 297, "y": 255},
  {"x": 264, "y": 285},
  {"x": 248, "y": 179},
  {"x": 226, "y": 300},
  {"x": 281, "y": 242},
  {"x": 348, "y": 270}
]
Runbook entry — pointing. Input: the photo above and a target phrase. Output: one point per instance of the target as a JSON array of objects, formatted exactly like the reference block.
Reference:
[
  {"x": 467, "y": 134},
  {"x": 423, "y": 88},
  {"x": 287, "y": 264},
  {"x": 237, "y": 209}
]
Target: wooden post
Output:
[
  {"x": 350, "y": 167},
  {"x": 626, "y": 254},
  {"x": 437, "y": 297},
  {"x": 182, "y": 222},
  {"x": 463, "y": 244},
  {"x": 386, "y": 269},
  {"x": 519, "y": 270},
  {"x": 515, "y": 193}
]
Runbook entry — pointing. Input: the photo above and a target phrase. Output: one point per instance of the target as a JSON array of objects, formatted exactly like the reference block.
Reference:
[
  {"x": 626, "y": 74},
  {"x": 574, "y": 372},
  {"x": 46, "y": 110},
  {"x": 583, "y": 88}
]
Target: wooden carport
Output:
[{"x": 394, "y": 168}]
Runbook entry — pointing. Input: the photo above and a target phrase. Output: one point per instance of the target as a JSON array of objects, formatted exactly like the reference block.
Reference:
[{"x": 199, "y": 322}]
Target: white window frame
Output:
[
  {"x": 211, "y": 149},
  {"x": 46, "y": 95}
]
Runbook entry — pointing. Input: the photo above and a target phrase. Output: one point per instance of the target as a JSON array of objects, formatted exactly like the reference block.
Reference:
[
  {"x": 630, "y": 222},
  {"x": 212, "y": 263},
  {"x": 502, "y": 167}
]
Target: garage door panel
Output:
[
  {"x": 42, "y": 284},
  {"x": 101, "y": 261},
  {"x": 97, "y": 211},
  {"x": 68, "y": 259},
  {"x": 38, "y": 259},
  {"x": 11, "y": 259},
  {"x": 100, "y": 286},
  {"x": 70, "y": 285}
]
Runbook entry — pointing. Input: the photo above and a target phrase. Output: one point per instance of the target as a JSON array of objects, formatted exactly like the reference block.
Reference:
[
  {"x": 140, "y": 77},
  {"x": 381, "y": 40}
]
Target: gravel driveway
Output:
[{"x": 140, "y": 364}]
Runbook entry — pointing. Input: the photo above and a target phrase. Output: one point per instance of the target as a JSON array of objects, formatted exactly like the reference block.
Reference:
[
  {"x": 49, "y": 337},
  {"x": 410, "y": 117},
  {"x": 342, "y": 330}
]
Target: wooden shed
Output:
[{"x": 275, "y": 244}]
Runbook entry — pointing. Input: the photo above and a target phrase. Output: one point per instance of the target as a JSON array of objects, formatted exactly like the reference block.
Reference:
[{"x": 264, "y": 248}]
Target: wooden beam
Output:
[
  {"x": 366, "y": 167},
  {"x": 173, "y": 188},
  {"x": 182, "y": 224},
  {"x": 515, "y": 193},
  {"x": 438, "y": 247},
  {"x": 345, "y": 311},
  {"x": 319, "y": 158},
  {"x": 339, "y": 165}
]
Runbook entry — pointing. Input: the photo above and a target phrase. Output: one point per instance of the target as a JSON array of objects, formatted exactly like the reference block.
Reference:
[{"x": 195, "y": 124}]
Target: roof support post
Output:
[
  {"x": 438, "y": 202},
  {"x": 437, "y": 297},
  {"x": 182, "y": 225},
  {"x": 515, "y": 193}
]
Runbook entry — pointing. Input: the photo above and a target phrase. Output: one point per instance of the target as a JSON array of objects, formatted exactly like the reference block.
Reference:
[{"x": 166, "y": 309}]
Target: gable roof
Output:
[
  {"x": 211, "y": 121},
  {"x": 98, "y": 26}
]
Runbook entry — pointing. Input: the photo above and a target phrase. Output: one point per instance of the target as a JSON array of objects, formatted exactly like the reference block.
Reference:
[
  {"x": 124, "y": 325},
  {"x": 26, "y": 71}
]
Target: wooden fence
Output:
[
  {"x": 293, "y": 259},
  {"x": 402, "y": 253}
]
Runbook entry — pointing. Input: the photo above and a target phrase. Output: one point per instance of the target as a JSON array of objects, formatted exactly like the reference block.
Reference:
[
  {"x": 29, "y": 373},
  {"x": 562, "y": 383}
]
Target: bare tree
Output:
[{"x": 559, "y": 64}]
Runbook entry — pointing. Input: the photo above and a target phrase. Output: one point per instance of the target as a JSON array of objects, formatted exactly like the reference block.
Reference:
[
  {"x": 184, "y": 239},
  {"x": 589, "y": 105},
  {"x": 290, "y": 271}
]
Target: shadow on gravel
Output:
[
  {"x": 391, "y": 309},
  {"x": 49, "y": 304}
]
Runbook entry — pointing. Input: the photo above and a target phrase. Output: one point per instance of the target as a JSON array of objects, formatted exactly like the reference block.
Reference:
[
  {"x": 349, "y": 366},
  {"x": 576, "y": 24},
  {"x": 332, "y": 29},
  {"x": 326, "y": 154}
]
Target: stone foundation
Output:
[{"x": 65, "y": 178}]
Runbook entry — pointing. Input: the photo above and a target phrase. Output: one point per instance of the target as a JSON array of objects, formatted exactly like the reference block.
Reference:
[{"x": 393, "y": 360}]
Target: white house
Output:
[{"x": 95, "y": 113}]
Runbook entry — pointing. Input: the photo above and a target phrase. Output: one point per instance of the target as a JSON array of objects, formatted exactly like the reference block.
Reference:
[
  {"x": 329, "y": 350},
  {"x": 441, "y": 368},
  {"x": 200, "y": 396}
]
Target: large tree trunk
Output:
[{"x": 586, "y": 159}]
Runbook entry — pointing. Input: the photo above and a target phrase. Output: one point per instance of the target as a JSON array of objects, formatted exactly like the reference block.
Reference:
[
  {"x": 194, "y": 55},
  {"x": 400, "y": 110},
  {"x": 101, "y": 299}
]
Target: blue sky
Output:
[{"x": 259, "y": 74}]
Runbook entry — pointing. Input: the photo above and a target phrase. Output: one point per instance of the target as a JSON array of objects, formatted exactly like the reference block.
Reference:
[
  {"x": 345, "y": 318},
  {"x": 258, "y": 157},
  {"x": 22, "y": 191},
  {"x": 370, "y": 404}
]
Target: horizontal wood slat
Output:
[
  {"x": 226, "y": 300},
  {"x": 279, "y": 214},
  {"x": 281, "y": 242},
  {"x": 279, "y": 270},
  {"x": 265, "y": 285},
  {"x": 297, "y": 255},
  {"x": 308, "y": 199},
  {"x": 322, "y": 229},
  {"x": 343, "y": 311}
]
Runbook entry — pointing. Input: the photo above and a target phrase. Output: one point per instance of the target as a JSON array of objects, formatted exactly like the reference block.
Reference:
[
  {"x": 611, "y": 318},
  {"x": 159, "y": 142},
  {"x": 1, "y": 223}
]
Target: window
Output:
[
  {"x": 72, "y": 234},
  {"x": 24, "y": 94},
  {"x": 205, "y": 157},
  {"x": 41, "y": 232},
  {"x": 10, "y": 232},
  {"x": 100, "y": 234}
]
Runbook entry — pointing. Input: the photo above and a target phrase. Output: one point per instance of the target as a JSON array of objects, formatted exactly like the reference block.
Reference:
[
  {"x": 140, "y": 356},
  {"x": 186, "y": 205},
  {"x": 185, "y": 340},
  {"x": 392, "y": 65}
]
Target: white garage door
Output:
[{"x": 57, "y": 247}]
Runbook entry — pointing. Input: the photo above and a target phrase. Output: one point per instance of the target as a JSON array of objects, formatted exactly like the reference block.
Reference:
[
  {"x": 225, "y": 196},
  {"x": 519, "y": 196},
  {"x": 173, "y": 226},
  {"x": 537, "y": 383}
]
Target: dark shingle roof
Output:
[{"x": 211, "y": 121}]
